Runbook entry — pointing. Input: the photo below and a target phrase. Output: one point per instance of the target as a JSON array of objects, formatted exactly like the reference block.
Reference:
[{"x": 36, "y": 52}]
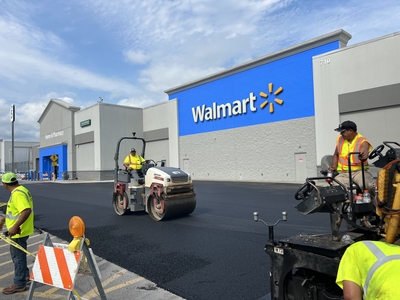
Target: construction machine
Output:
[
  {"x": 305, "y": 266},
  {"x": 163, "y": 192}
]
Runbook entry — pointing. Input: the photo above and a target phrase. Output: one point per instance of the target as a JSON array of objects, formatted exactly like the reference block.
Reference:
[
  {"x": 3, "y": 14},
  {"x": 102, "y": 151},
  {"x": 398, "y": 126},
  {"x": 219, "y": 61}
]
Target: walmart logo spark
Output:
[{"x": 271, "y": 103}]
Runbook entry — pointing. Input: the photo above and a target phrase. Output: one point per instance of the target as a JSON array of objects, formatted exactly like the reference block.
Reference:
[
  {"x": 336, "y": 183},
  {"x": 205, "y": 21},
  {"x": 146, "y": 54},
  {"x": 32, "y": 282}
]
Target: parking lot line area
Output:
[{"x": 117, "y": 282}]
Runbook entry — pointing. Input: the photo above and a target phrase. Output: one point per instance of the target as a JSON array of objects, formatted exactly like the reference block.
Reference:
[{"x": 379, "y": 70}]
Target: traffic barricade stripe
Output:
[
  {"x": 44, "y": 271},
  {"x": 66, "y": 275},
  {"x": 56, "y": 267}
]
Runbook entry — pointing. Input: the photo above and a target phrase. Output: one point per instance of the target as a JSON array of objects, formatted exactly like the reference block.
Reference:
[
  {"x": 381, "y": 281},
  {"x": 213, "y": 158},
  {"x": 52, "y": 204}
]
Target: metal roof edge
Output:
[
  {"x": 58, "y": 102},
  {"x": 390, "y": 35}
]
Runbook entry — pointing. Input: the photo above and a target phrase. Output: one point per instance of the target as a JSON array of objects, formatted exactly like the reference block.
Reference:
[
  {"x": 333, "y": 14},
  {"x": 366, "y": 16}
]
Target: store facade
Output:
[
  {"x": 270, "y": 119},
  {"x": 255, "y": 121},
  {"x": 81, "y": 143}
]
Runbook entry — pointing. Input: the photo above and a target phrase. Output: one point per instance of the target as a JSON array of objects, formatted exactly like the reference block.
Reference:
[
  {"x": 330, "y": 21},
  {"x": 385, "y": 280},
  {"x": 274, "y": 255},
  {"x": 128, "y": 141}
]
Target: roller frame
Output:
[{"x": 171, "y": 188}]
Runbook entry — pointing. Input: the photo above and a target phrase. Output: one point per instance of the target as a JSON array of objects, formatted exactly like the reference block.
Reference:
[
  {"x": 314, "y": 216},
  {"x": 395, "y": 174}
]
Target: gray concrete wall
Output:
[
  {"x": 23, "y": 156},
  {"x": 87, "y": 146},
  {"x": 2, "y": 156},
  {"x": 357, "y": 69},
  {"x": 56, "y": 128},
  {"x": 160, "y": 125},
  {"x": 117, "y": 122},
  {"x": 35, "y": 157},
  {"x": 98, "y": 141},
  {"x": 254, "y": 153}
]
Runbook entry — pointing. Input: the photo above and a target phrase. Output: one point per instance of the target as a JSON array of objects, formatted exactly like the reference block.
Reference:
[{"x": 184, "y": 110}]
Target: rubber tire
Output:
[
  {"x": 119, "y": 202},
  {"x": 152, "y": 211}
]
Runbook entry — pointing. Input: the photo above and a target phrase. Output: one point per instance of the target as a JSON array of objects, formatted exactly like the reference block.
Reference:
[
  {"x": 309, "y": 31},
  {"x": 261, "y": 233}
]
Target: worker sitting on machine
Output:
[
  {"x": 348, "y": 141},
  {"x": 134, "y": 162}
]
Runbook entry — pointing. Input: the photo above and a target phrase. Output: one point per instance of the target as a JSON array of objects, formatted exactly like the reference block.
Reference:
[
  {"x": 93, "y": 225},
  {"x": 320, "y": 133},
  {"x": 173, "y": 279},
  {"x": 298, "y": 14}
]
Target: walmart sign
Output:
[
  {"x": 204, "y": 113},
  {"x": 276, "y": 91},
  {"x": 201, "y": 113}
]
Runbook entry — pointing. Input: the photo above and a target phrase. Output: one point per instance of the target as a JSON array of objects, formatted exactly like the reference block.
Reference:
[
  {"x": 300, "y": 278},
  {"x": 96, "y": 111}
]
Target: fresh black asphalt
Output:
[{"x": 217, "y": 252}]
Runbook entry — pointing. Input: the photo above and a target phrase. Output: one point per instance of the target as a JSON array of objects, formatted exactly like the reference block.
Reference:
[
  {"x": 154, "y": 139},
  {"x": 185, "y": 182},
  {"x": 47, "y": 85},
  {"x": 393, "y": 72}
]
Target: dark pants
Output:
[
  {"x": 139, "y": 172},
  {"x": 18, "y": 257}
]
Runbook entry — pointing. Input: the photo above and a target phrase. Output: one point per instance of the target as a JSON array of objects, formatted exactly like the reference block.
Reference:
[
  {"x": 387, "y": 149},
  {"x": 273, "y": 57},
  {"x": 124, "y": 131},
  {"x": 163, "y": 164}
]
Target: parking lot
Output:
[{"x": 118, "y": 283}]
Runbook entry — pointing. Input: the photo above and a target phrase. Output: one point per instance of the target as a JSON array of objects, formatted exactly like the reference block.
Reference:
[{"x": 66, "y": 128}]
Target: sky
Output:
[{"x": 128, "y": 52}]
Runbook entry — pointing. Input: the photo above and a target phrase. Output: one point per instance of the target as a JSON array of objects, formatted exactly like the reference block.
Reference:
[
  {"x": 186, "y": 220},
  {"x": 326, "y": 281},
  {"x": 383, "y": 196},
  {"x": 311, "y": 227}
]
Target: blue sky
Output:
[{"x": 129, "y": 52}]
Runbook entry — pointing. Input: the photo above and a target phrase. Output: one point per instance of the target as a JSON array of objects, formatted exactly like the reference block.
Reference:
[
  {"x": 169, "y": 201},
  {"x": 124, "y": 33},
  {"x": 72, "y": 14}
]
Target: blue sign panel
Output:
[
  {"x": 277, "y": 91},
  {"x": 46, "y": 162}
]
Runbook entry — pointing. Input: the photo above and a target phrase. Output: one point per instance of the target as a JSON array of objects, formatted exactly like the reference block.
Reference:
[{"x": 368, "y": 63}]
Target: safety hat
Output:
[
  {"x": 133, "y": 150},
  {"x": 9, "y": 177}
]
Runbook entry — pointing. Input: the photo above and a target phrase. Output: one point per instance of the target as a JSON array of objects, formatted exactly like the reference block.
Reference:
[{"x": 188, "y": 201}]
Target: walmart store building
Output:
[{"x": 270, "y": 119}]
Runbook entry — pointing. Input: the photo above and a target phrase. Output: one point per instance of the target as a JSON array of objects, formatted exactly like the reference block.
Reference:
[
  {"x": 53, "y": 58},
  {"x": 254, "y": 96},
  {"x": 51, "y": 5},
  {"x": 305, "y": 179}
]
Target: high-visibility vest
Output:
[
  {"x": 344, "y": 147},
  {"x": 20, "y": 199},
  {"x": 374, "y": 266},
  {"x": 134, "y": 161},
  {"x": 382, "y": 259}
]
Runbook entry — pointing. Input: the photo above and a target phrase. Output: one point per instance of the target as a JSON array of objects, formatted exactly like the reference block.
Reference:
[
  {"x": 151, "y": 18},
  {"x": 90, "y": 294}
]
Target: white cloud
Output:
[
  {"x": 137, "y": 57},
  {"x": 155, "y": 45},
  {"x": 25, "y": 58},
  {"x": 162, "y": 76},
  {"x": 141, "y": 102},
  {"x": 26, "y": 127},
  {"x": 67, "y": 99},
  {"x": 184, "y": 40}
]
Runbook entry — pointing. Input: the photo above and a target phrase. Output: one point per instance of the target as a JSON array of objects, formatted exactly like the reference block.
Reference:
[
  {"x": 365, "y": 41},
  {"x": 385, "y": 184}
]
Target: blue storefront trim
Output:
[
  {"x": 241, "y": 91},
  {"x": 45, "y": 163}
]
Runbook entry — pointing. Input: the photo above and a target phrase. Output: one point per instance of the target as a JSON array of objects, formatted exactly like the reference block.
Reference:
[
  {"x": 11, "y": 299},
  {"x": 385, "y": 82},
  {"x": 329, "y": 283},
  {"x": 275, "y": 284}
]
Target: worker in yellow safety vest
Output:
[
  {"x": 348, "y": 141},
  {"x": 134, "y": 161},
  {"x": 370, "y": 270},
  {"x": 19, "y": 220}
]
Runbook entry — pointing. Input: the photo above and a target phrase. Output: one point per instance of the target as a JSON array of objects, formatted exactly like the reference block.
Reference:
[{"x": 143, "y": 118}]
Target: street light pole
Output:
[{"x": 12, "y": 118}]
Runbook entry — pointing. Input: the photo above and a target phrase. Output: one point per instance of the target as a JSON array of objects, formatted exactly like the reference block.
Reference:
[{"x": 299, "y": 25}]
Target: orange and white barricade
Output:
[{"x": 57, "y": 266}]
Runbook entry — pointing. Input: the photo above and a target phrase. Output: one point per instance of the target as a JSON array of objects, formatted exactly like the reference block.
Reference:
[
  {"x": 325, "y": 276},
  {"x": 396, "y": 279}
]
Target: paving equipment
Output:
[
  {"x": 305, "y": 266},
  {"x": 163, "y": 192}
]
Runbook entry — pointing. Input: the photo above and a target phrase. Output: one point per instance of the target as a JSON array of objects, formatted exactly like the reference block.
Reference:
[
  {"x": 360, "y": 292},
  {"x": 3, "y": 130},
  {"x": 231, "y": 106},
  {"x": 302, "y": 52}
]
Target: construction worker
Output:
[
  {"x": 348, "y": 141},
  {"x": 134, "y": 161},
  {"x": 370, "y": 270},
  {"x": 19, "y": 222}
]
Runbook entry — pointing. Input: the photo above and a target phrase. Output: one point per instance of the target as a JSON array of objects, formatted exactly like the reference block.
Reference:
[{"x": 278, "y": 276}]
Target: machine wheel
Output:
[
  {"x": 120, "y": 203},
  {"x": 156, "y": 207}
]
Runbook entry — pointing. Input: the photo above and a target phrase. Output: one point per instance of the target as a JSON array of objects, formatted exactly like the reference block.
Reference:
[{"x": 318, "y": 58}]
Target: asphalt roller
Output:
[{"x": 163, "y": 192}]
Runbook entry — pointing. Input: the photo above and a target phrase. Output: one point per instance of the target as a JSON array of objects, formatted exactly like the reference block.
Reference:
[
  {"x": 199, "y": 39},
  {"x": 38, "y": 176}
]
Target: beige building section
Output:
[
  {"x": 358, "y": 83},
  {"x": 57, "y": 128},
  {"x": 160, "y": 125},
  {"x": 95, "y": 144},
  {"x": 91, "y": 135}
]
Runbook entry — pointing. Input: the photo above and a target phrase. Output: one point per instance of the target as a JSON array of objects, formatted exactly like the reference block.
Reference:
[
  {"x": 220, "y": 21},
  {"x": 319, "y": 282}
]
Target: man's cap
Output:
[
  {"x": 133, "y": 150},
  {"x": 9, "y": 177},
  {"x": 347, "y": 125}
]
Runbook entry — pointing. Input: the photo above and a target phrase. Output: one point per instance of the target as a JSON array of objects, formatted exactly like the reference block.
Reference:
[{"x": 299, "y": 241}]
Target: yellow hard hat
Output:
[{"x": 9, "y": 177}]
